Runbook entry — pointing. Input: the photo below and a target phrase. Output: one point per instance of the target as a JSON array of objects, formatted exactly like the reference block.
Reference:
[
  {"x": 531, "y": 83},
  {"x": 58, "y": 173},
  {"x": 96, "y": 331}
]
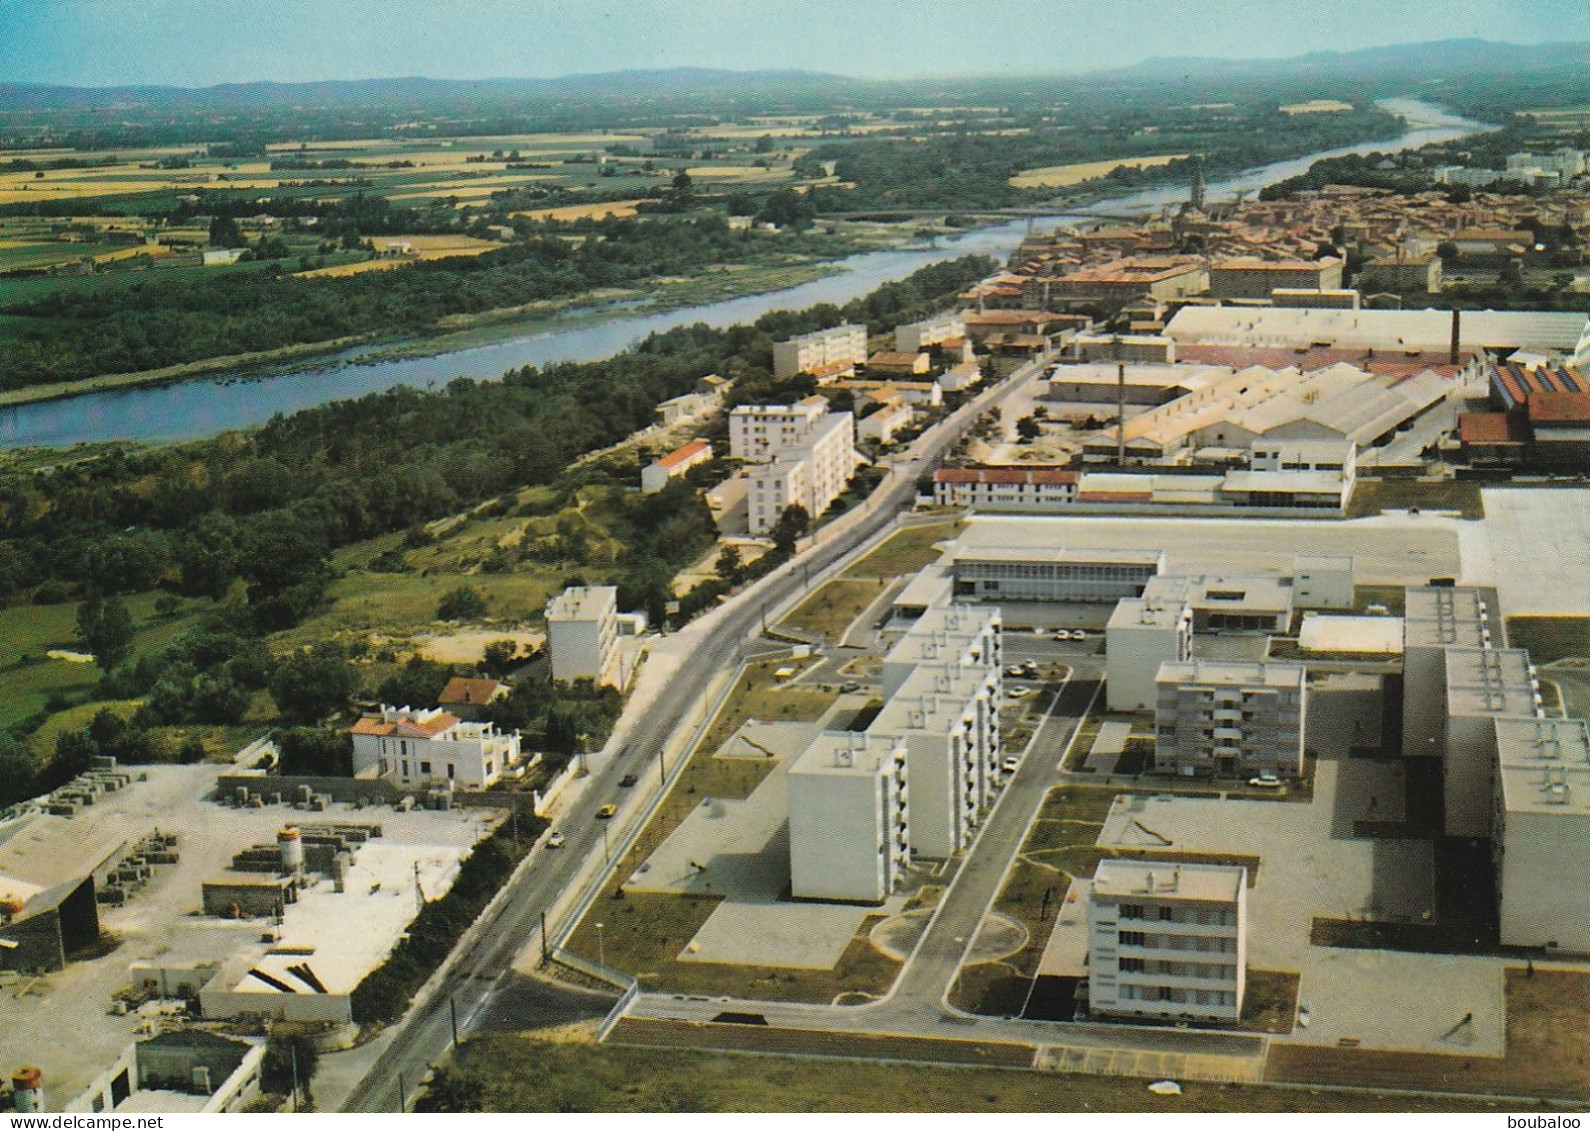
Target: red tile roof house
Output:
[{"x": 468, "y": 698}]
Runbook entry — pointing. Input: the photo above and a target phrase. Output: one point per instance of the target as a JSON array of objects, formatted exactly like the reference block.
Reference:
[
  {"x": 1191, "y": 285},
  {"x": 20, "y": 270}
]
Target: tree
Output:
[
  {"x": 764, "y": 144},
  {"x": 307, "y": 686},
  {"x": 416, "y": 684},
  {"x": 463, "y": 603},
  {"x": 730, "y": 567},
  {"x": 106, "y": 629},
  {"x": 313, "y": 752},
  {"x": 793, "y": 521},
  {"x": 224, "y": 232},
  {"x": 499, "y": 656},
  {"x": 1447, "y": 252},
  {"x": 1028, "y": 428},
  {"x": 681, "y": 181},
  {"x": 16, "y": 770},
  {"x": 290, "y": 1061}
]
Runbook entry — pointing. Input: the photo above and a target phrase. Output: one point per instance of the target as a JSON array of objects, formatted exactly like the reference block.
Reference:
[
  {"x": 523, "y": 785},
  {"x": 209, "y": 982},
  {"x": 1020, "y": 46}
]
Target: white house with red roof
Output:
[
  {"x": 420, "y": 748},
  {"x": 655, "y": 475}
]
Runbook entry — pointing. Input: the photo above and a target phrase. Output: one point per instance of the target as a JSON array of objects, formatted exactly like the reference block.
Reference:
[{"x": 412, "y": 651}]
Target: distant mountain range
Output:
[
  {"x": 1469, "y": 55},
  {"x": 680, "y": 80},
  {"x": 1439, "y": 55}
]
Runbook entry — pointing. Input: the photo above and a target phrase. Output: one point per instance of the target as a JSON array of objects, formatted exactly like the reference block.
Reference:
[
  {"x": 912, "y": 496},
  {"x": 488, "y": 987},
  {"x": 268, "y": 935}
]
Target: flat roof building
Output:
[
  {"x": 1541, "y": 838},
  {"x": 1256, "y": 278},
  {"x": 1386, "y": 330},
  {"x": 1434, "y": 619},
  {"x": 1167, "y": 940},
  {"x": 1259, "y": 602},
  {"x": 849, "y": 818},
  {"x": 1482, "y": 685},
  {"x": 1230, "y": 719},
  {"x": 582, "y": 634},
  {"x": 1143, "y": 633},
  {"x": 968, "y": 636},
  {"x": 1323, "y": 581},
  {"x": 1023, "y": 573},
  {"x": 845, "y": 344}
]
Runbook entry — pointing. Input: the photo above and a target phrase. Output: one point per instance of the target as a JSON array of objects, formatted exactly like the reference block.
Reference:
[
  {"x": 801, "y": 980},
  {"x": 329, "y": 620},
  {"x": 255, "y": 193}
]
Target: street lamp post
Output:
[
  {"x": 601, "y": 945},
  {"x": 583, "y": 740},
  {"x": 955, "y": 983}
]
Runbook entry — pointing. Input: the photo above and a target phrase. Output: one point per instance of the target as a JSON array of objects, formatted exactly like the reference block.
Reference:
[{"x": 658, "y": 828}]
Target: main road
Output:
[{"x": 550, "y": 879}]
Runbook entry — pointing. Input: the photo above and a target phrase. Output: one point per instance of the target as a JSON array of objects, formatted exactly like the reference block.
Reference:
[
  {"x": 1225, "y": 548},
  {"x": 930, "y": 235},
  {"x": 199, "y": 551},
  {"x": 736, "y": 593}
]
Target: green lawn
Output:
[
  {"x": 1550, "y": 638},
  {"x": 1371, "y": 496},
  {"x": 27, "y": 632},
  {"x": 907, "y": 551},
  {"x": 832, "y": 608}
]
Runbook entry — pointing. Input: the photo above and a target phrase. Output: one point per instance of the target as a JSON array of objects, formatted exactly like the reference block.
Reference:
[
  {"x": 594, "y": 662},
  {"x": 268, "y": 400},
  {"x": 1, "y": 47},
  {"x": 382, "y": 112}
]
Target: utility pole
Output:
[
  {"x": 403, "y": 1095},
  {"x": 662, "y": 767},
  {"x": 292, "y": 1051},
  {"x": 1120, "y": 408},
  {"x": 452, "y": 1010},
  {"x": 419, "y": 892},
  {"x": 544, "y": 954},
  {"x": 514, "y": 811}
]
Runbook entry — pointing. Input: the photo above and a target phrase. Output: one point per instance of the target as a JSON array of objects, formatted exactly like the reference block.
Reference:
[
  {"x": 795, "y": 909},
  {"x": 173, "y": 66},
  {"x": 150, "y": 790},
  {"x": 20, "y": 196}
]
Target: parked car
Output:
[
  {"x": 606, "y": 812},
  {"x": 555, "y": 840},
  {"x": 1265, "y": 781},
  {"x": 1014, "y": 669},
  {"x": 1010, "y": 764},
  {"x": 1029, "y": 667},
  {"x": 628, "y": 780},
  {"x": 1079, "y": 634},
  {"x": 1019, "y": 692},
  {"x": 1063, "y": 634}
]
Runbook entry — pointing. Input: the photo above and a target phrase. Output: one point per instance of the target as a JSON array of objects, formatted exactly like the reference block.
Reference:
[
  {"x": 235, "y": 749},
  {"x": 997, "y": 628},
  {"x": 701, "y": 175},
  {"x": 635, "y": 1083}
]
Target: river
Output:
[{"x": 205, "y": 406}]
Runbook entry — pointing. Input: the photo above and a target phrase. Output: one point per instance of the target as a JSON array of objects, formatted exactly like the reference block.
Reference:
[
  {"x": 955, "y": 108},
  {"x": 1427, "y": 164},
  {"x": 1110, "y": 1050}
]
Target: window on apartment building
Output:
[
  {"x": 1166, "y": 915},
  {"x": 1167, "y": 994},
  {"x": 1131, "y": 965},
  {"x": 1132, "y": 938},
  {"x": 405, "y": 768},
  {"x": 1132, "y": 911},
  {"x": 451, "y": 771},
  {"x": 425, "y": 767}
]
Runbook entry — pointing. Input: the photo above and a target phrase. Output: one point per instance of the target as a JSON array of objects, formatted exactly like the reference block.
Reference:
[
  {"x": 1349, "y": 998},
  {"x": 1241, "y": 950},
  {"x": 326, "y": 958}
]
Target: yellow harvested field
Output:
[
  {"x": 153, "y": 251},
  {"x": 463, "y": 190},
  {"x": 438, "y": 247},
  {"x": 618, "y": 208},
  {"x": 343, "y": 270},
  {"x": 736, "y": 173},
  {"x": 1056, "y": 176},
  {"x": 1317, "y": 106}
]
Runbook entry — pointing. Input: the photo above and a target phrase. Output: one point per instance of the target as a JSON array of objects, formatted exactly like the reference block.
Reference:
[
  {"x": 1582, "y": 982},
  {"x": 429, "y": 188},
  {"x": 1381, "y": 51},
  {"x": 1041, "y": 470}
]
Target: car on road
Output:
[
  {"x": 1063, "y": 634},
  {"x": 555, "y": 840},
  {"x": 1079, "y": 634},
  {"x": 606, "y": 812},
  {"x": 1010, "y": 764},
  {"x": 1029, "y": 667},
  {"x": 628, "y": 780},
  {"x": 1013, "y": 670},
  {"x": 1019, "y": 692},
  {"x": 849, "y": 688},
  {"x": 1265, "y": 781}
]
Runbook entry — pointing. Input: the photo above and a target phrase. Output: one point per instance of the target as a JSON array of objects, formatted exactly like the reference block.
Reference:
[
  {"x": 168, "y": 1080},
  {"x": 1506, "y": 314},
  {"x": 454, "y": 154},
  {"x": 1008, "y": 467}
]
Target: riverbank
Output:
[{"x": 462, "y": 331}]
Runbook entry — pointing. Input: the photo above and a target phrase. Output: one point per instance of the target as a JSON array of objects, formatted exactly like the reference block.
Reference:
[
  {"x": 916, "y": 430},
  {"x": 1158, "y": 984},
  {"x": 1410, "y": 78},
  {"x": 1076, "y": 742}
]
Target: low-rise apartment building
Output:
[
  {"x": 917, "y": 336},
  {"x": 1256, "y": 278},
  {"x": 845, "y": 344},
  {"x": 1540, "y": 835},
  {"x": 1005, "y": 488},
  {"x": 1143, "y": 634},
  {"x": 1168, "y": 940},
  {"x": 761, "y": 432},
  {"x": 1230, "y": 719},
  {"x": 656, "y": 474},
  {"x": 849, "y": 818}
]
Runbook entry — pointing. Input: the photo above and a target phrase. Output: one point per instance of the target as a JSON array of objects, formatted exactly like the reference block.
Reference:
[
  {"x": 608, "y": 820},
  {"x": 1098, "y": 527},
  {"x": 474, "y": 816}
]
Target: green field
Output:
[
  {"x": 906, "y": 552},
  {"x": 28, "y": 632}
]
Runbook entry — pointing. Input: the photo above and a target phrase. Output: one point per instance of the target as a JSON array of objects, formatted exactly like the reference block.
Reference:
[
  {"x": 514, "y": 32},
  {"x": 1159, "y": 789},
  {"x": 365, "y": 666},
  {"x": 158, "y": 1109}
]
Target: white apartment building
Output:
[
  {"x": 582, "y": 634},
  {"x": 1482, "y": 685},
  {"x": 1230, "y": 718},
  {"x": 811, "y": 473},
  {"x": 842, "y": 345},
  {"x": 968, "y": 636},
  {"x": 886, "y": 423},
  {"x": 761, "y": 432},
  {"x": 948, "y": 717},
  {"x": 1433, "y": 620},
  {"x": 1143, "y": 634},
  {"x": 918, "y": 336},
  {"x": 1168, "y": 940},
  {"x": 849, "y": 818},
  {"x": 431, "y": 748},
  {"x": 1564, "y": 163},
  {"x": 1541, "y": 833}
]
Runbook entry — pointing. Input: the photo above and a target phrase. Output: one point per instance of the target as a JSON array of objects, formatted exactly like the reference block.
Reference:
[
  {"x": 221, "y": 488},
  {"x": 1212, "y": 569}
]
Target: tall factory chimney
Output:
[{"x": 1457, "y": 336}]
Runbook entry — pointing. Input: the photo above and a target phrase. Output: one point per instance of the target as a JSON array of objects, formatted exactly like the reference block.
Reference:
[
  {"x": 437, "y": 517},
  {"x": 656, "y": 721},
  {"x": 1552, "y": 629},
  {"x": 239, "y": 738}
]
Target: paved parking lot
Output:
[{"x": 1537, "y": 553}]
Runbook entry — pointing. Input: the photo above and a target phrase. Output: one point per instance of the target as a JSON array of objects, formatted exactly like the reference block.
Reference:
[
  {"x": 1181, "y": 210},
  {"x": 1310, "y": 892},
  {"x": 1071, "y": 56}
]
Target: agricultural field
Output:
[
  {"x": 1061, "y": 176},
  {"x": 1318, "y": 106}
]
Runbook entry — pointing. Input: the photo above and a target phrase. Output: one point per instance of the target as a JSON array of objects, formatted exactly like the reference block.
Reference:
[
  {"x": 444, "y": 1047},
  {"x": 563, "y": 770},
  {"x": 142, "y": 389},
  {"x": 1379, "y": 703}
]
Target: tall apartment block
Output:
[
  {"x": 940, "y": 328},
  {"x": 1230, "y": 719},
  {"x": 1168, "y": 940},
  {"x": 1541, "y": 833},
  {"x": 849, "y": 818},
  {"x": 1435, "y": 619},
  {"x": 1482, "y": 685},
  {"x": 1142, "y": 634},
  {"x": 582, "y": 634},
  {"x": 948, "y": 717},
  {"x": 962, "y": 635},
  {"x": 842, "y": 345}
]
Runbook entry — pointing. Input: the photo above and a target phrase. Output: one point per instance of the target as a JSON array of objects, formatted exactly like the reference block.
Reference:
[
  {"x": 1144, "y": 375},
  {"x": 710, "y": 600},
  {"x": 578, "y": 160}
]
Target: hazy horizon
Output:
[{"x": 188, "y": 43}]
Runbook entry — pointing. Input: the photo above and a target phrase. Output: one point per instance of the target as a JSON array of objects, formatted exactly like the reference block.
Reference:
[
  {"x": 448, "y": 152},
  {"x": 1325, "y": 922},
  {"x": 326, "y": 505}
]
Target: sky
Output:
[{"x": 203, "y": 42}]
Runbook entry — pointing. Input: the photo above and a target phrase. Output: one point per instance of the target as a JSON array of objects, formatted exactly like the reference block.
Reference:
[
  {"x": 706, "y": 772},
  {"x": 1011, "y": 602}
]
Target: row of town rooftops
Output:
[{"x": 1474, "y": 330}]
